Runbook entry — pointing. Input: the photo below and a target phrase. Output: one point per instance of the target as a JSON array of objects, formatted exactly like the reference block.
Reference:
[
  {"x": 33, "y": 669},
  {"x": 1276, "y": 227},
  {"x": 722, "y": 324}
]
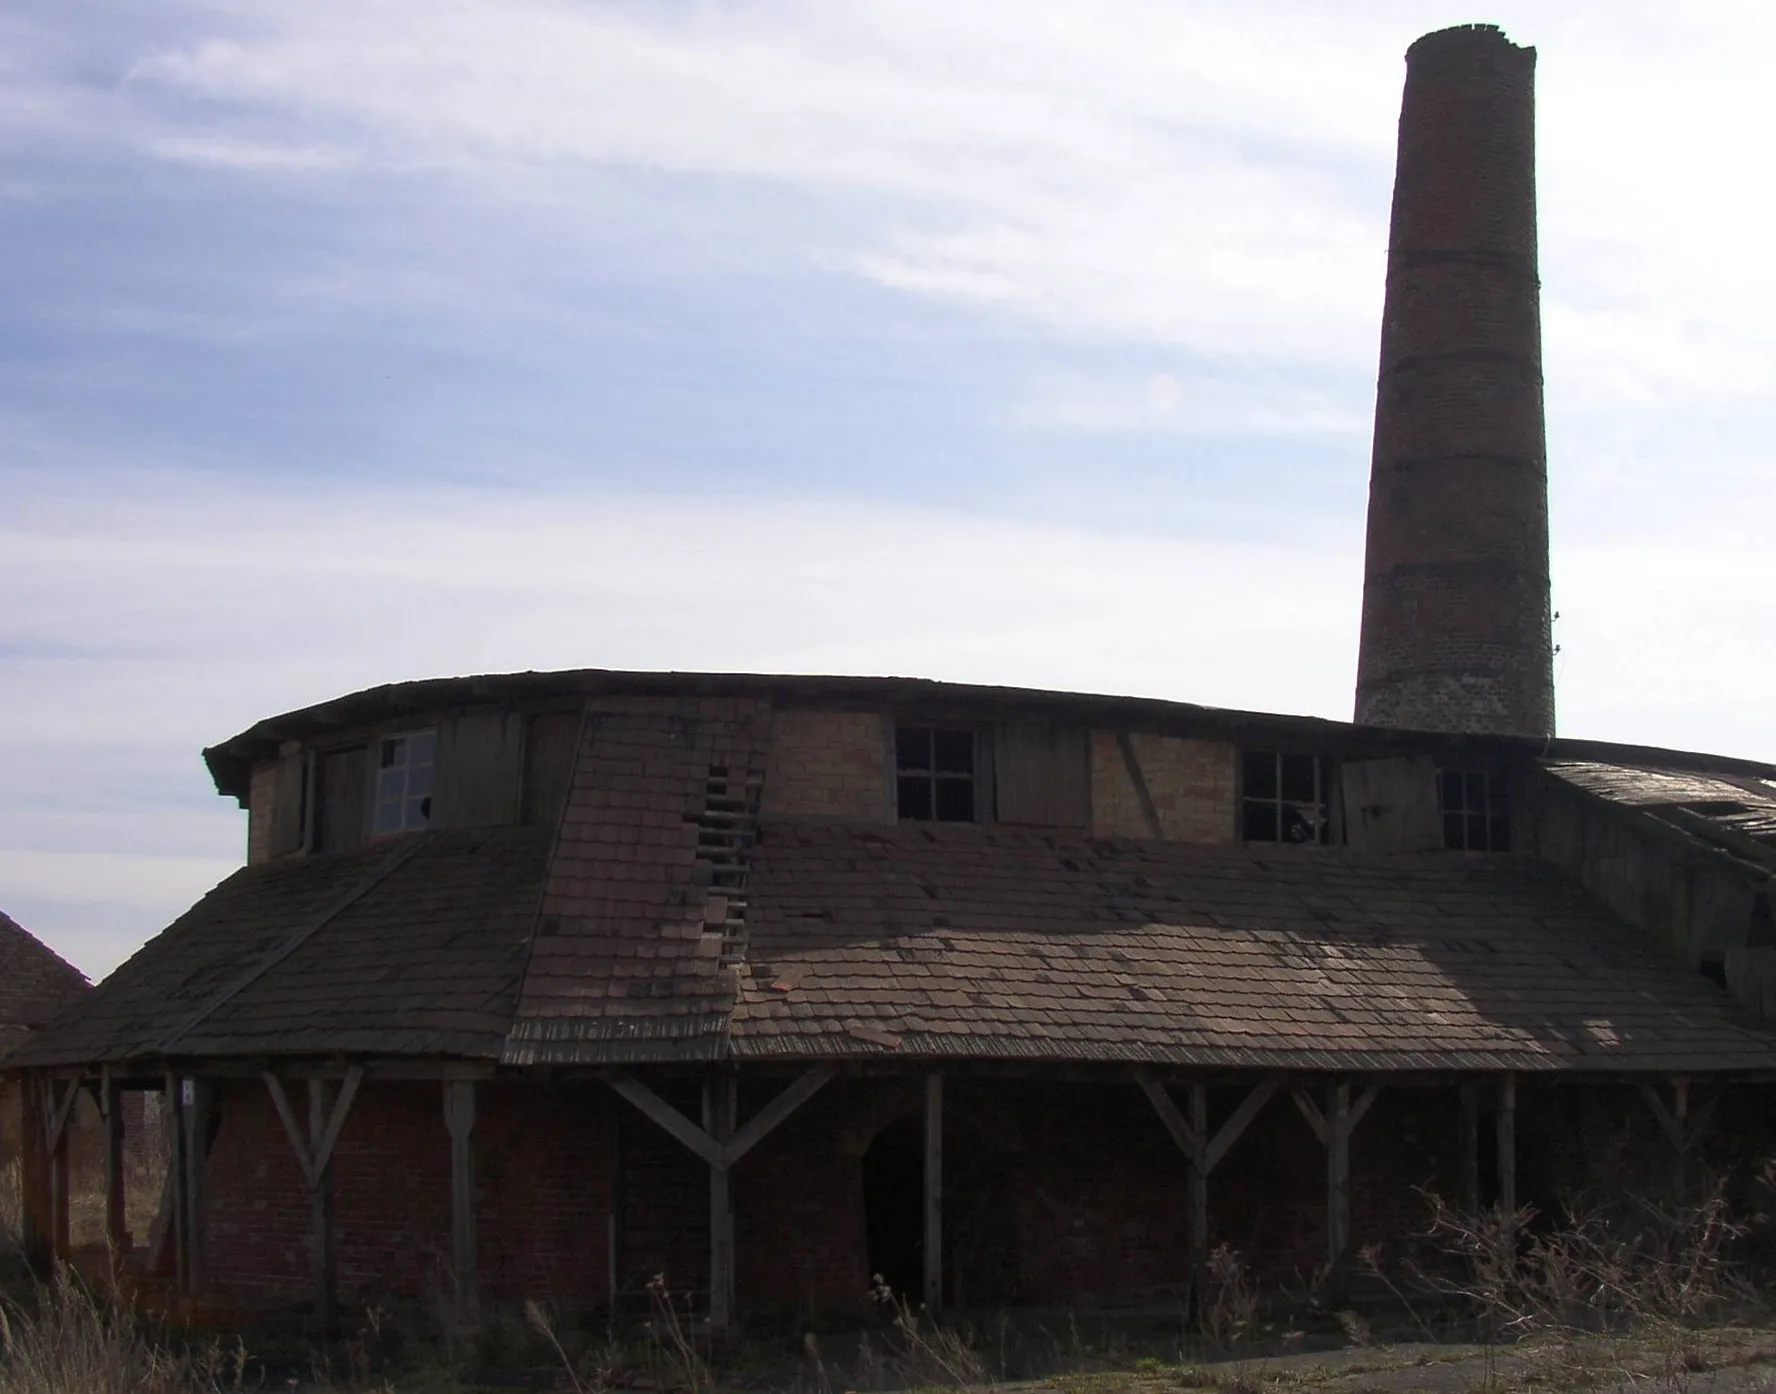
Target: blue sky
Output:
[{"x": 1018, "y": 342}]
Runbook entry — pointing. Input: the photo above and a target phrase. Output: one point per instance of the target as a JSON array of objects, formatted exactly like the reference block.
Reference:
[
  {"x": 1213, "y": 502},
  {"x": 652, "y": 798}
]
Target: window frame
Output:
[
  {"x": 1494, "y": 815},
  {"x": 375, "y": 769},
  {"x": 1281, "y": 805},
  {"x": 980, "y": 775}
]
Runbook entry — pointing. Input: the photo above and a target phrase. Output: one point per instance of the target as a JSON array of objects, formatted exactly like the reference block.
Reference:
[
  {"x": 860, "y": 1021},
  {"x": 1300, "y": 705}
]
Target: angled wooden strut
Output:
[
  {"x": 314, "y": 1151},
  {"x": 722, "y": 1155},
  {"x": 1201, "y": 1149},
  {"x": 57, "y": 1110},
  {"x": 1131, "y": 763},
  {"x": 720, "y": 1143},
  {"x": 1683, "y": 1128},
  {"x": 1333, "y": 1128}
]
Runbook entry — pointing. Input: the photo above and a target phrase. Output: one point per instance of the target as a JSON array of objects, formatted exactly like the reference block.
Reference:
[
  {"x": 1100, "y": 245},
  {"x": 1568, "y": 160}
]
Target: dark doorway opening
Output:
[{"x": 894, "y": 1206}]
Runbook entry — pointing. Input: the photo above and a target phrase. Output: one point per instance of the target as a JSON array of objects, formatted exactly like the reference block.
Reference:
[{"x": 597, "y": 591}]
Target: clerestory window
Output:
[
  {"x": 935, "y": 772},
  {"x": 1476, "y": 817},
  {"x": 1282, "y": 797},
  {"x": 406, "y": 766}
]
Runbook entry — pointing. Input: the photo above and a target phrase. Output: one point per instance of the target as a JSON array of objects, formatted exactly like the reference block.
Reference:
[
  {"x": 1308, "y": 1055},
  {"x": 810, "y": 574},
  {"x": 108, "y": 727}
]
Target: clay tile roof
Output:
[
  {"x": 955, "y": 941},
  {"x": 407, "y": 948},
  {"x": 665, "y": 921},
  {"x": 35, "y": 981}
]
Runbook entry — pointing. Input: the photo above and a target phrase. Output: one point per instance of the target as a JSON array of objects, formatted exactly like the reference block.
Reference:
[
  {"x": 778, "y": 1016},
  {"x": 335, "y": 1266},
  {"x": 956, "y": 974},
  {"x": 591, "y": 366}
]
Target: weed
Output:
[{"x": 927, "y": 1354}]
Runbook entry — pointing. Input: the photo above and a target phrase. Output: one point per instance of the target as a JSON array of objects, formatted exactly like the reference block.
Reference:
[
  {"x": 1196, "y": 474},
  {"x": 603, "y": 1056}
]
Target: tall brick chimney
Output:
[{"x": 1456, "y": 633}]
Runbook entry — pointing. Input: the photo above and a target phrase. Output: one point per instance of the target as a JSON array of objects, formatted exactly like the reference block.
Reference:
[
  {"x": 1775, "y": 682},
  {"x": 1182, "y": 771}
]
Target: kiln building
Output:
[{"x": 540, "y": 984}]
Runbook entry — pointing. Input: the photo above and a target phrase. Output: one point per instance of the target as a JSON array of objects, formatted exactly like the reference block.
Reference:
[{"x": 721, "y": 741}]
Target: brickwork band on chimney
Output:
[{"x": 1456, "y": 633}]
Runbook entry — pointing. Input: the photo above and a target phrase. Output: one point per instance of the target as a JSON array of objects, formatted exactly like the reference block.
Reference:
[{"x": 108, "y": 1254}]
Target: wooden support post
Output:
[
  {"x": 933, "y": 1191},
  {"x": 34, "y": 1184},
  {"x": 1507, "y": 1144},
  {"x": 314, "y": 1150},
  {"x": 1468, "y": 1145},
  {"x": 1680, "y": 1154},
  {"x": 1202, "y": 1152},
  {"x": 1682, "y": 1126},
  {"x": 58, "y": 1182},
  {"x": 459, "y": 1122},
  {"x": 1338, "y": 1131},
  {"x": 1198, "y": 1172},
  {"x": 720, "y": 1104},
  {"x": 111, "y": 1112},
  {"x": 175, "y": 1125},
  {"x": 194, "y": 1101},
  {"x": 325, "y": 1269}
]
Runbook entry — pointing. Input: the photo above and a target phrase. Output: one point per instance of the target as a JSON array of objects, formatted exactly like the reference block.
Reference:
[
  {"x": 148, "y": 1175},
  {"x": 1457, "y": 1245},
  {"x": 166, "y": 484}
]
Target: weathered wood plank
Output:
[
  {"x": 933, "y": 1285},
  {"x": 1043, "y": 774}
]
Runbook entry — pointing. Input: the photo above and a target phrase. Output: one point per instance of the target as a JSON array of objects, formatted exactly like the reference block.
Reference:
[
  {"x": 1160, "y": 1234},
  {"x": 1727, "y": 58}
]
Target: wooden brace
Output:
[
  {"x": 314, "y": 1158},
  {"x": 1317, "y": 1120},
  {"x": 1204, "y": 1156},
  {"x": 722, "y": 1156}
]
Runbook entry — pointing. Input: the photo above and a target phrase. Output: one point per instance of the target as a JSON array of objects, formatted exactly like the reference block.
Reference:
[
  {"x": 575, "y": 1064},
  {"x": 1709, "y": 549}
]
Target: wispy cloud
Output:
[{"x": 1012, "y": 342}]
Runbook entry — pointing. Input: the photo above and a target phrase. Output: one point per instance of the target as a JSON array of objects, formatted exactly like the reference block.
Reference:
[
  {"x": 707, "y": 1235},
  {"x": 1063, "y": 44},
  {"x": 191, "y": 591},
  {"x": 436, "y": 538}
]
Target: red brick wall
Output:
[{"x": 1054, "y": 1191}]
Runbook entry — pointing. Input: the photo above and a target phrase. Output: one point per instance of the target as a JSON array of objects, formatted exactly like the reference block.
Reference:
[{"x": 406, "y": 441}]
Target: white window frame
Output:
[{"x": 401, "y": 793}]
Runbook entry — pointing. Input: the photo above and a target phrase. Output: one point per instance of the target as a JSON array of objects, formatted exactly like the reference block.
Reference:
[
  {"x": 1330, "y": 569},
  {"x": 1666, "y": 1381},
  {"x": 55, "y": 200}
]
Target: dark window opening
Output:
[
  {"x": 934, "y": 774},
  {"x": 1715, "y": 970},
  {"x": 894, "y": 1207},
  {"x": 1282, "y": 797},
  {"x": 404, "y": 770},
  {"x": 1476, "y": 816}
]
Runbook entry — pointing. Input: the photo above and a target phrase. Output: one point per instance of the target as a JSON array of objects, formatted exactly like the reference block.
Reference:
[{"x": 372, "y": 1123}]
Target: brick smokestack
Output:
[{"x": 1456, "y": 634}]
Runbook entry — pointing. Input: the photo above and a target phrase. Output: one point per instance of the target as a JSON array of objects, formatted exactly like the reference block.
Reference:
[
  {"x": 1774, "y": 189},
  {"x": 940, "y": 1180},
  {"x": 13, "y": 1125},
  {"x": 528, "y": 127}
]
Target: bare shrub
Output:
[
  {"x": 1230, "y": 1298},
  {"x": 1603, "y": 1295}
]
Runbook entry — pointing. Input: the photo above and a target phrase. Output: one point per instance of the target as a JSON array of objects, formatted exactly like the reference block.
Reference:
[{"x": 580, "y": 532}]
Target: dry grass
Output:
[{"x": 68, "y": 1342}]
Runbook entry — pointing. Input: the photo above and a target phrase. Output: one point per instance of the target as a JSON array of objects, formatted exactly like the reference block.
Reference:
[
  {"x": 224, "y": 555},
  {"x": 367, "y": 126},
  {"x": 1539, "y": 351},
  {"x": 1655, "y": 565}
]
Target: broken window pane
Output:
[
  {"x": 405, "y": 765},
  {"x": 1282, "y": 797}
]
